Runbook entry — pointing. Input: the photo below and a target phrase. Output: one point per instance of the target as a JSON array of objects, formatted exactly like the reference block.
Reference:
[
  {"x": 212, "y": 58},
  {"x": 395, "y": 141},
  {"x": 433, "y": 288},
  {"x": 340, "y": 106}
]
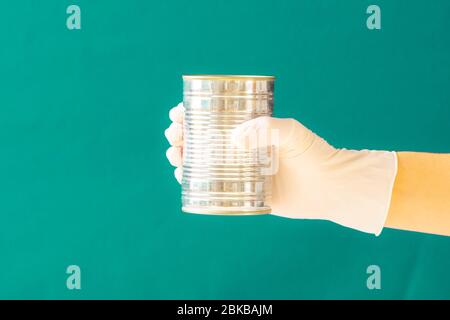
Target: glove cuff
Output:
[
  {"x": 366, "y": 187},
  {"x": 393, "y": 169}
]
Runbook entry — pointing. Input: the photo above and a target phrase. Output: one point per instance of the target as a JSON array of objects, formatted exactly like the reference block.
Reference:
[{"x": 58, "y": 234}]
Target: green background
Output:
[{"x": 83, "y": 174}]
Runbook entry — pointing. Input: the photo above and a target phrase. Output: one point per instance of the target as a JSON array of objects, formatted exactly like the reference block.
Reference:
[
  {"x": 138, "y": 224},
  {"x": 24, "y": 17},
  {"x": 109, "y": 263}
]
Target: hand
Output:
[
  {"x": 314, "y": 179},
  {"x": 174, "y": 134}
]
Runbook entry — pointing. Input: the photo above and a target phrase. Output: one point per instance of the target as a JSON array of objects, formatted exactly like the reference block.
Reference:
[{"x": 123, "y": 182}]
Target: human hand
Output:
[{"x": 314, "y": 180}]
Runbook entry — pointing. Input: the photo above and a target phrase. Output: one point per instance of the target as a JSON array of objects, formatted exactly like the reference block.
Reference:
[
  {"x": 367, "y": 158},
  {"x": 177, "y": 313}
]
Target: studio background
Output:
[{"x": 83, "y": 175}]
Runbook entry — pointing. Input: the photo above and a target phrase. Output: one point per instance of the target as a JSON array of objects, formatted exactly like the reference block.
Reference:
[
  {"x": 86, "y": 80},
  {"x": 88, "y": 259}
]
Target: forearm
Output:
[{"x": 421, "y": 196}]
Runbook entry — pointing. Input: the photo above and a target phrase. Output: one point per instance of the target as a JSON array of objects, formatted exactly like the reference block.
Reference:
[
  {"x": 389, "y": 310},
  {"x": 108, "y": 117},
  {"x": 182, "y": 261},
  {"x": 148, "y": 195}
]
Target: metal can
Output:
[{"x": 218, "y": 176}]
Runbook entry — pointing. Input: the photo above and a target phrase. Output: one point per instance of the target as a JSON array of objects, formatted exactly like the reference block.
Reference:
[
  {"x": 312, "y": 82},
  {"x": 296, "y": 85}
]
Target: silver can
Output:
[{"x": 218, "y": 176}]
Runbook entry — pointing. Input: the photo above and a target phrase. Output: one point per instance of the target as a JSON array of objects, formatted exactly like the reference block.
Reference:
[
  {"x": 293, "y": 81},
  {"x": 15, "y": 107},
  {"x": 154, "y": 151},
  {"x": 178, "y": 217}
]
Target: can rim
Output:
[
  {"x": 227, "y": 211},
  {"x": 226, "y": 77}
]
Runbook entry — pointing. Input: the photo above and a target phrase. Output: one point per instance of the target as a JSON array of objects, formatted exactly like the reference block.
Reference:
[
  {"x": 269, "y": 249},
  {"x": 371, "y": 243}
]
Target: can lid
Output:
[{"x": 226, "y": 77}]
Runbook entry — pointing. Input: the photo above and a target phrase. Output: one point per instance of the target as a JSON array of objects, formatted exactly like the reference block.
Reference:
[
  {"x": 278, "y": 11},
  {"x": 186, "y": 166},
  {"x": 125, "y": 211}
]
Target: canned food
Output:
[{"x": 219, "y": 177}]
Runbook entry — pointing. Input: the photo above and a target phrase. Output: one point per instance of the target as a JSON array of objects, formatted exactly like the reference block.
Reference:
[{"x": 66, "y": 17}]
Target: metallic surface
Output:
[{"x": 218, "y": 177}]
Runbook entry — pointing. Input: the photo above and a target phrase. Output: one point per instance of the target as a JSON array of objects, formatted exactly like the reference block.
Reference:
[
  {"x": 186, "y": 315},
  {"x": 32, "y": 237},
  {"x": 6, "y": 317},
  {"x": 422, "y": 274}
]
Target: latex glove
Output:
[{"x": 314, "y": 179}]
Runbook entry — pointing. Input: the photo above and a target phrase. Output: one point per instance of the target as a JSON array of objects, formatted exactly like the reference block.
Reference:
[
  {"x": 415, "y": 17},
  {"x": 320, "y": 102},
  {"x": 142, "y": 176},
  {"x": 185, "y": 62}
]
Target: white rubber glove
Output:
[{"x": 314, "y": 180}]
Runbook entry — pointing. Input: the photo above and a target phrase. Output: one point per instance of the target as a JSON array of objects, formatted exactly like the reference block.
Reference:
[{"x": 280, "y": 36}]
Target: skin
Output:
[{"x": 420, "y": 197}]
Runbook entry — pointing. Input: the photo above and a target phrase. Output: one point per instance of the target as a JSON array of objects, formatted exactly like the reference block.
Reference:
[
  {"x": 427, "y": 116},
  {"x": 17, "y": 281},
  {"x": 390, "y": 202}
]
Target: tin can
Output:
[{"x": 218, "y": 176}]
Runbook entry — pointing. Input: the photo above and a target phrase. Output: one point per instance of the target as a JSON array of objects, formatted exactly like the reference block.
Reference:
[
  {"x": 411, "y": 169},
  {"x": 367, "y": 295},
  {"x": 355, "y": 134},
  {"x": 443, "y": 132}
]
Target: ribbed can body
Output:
[{"x": 218, "y": 176}]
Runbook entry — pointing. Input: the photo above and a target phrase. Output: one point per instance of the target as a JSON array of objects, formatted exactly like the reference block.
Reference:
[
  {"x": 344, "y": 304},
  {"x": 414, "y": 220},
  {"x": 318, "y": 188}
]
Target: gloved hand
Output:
[{"x": 314, "y": 179}]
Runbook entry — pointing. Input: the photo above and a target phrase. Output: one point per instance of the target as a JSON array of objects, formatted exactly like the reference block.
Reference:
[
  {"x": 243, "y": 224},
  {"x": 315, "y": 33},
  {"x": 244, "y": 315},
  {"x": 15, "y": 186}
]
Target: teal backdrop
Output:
[{"x": 83, "y": 174}]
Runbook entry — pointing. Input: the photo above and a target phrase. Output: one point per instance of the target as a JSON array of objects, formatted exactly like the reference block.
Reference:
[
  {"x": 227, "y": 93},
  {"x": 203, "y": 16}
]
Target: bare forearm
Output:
[{"x": 421, "y": 195}]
